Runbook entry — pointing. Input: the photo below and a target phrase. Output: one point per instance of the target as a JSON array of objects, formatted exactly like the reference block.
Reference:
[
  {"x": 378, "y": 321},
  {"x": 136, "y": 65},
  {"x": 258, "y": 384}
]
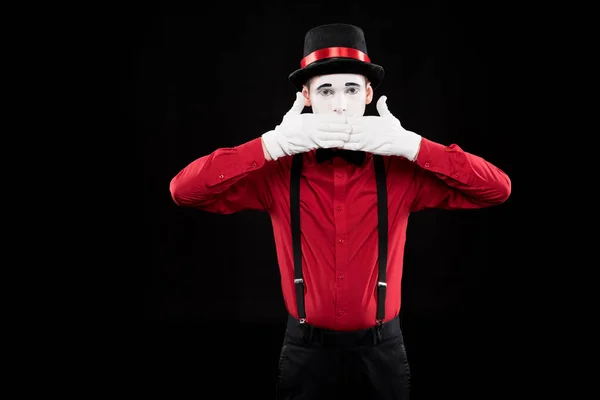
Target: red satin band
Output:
[{"x": 334, "y": 52}]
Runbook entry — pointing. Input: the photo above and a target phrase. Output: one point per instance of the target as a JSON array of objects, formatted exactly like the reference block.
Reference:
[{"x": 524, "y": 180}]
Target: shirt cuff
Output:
[
  {"x": 446, "y": 160},
  {"x": 232, "y": 162}
]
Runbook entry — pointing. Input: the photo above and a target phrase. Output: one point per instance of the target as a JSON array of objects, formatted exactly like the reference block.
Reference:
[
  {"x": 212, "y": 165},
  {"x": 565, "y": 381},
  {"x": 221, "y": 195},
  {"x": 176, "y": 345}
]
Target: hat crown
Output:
[
  {"x": 334, "y": 35},
  {"x": 336, "y": 49}
]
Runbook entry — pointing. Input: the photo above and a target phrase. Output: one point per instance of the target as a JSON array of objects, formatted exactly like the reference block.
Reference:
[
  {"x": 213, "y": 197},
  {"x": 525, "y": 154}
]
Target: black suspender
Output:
[
  {"x": 382, "y": 215},
  {"x": 296, "y": 242}
]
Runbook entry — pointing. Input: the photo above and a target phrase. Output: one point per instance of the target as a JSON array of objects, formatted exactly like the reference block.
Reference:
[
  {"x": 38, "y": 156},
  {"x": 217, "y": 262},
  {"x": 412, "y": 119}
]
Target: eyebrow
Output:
[{"x": 329, "y": 85}]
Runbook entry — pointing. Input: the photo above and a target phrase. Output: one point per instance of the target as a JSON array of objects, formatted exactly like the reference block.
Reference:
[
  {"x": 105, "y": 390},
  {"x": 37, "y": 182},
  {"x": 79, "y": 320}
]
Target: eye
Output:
[
  {"x": 352, "y": 90},
  {"x": 326, "y": 92}
]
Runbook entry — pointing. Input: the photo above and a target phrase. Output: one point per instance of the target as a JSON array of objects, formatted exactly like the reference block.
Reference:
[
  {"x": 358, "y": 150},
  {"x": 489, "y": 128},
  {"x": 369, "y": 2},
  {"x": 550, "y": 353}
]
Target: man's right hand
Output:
[{"x": 299, "y": 133}]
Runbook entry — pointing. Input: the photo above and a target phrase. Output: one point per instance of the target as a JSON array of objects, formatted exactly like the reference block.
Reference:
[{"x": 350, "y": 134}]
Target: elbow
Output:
[
  {"x": 503, "y": 190},
  {"x": 177, "y": 192},
  {"x": 186, "y": 194},
  {"x": 506, "y": 188}
]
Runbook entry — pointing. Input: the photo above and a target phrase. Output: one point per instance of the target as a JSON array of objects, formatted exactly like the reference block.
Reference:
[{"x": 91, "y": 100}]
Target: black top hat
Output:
[{"x": 336, "y": 49}]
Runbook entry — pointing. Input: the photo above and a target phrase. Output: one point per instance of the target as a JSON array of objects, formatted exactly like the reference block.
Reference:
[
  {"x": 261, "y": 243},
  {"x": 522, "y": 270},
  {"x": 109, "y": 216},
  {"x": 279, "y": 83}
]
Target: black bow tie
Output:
[{"x": 354, "y": 157}]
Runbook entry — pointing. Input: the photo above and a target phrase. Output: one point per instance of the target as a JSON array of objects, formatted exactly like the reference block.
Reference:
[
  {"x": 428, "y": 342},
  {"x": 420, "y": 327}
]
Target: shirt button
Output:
[
  {"x": 254, "y": 164},
  {"x": 342, "y": 276},
  {"x": 339, "y": 208},
  {"x": 455, "y": 176},
  {"x": 339, "y": 175},
  {"x": 221, "y": 176},
  {"x": 427, "y": 165},
  {"x": 340, "y": 312},
  {"x": 341, "y": 241}
]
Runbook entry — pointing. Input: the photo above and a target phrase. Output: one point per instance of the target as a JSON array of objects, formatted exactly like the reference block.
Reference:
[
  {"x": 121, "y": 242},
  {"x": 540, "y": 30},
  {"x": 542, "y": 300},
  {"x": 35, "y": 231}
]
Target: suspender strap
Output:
[
  {"x": 382, "y": 215},
  {"x": 296, "y": 243}
]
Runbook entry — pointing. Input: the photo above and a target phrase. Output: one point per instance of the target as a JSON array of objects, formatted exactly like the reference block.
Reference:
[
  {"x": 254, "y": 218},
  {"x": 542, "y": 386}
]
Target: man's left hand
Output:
[{"x": 383, "y": 134}]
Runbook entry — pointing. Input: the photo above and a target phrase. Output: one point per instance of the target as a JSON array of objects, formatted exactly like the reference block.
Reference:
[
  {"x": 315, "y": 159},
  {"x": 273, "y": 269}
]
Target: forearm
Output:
[
  {"x": 479, "y": 180},
  {"x": 223, "y": 181}
]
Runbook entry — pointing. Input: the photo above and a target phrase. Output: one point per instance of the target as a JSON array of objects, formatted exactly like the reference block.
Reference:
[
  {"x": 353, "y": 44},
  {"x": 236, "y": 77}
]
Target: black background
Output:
[{"x": 210, "y": 302}]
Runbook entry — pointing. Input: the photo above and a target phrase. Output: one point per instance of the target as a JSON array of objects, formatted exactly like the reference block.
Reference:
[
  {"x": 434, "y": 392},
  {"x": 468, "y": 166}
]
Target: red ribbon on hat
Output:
[{"x": 330, "y": 52}]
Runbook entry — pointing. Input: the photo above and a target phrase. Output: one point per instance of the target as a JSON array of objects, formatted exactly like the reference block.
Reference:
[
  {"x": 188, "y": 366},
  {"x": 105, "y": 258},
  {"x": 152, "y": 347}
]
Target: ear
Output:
[
  {"x": 306, "y": 96},
  {"x": 369, "y": 90}
]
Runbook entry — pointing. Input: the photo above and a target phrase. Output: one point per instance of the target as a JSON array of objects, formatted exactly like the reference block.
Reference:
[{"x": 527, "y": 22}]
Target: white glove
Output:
[
  {"x": 382, "y": 135},
  {"x": 299, "y": 133}
]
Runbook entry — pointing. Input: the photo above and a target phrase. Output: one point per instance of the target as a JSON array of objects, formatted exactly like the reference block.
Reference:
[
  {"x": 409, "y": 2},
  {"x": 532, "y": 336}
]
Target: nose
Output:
[{"x": 339, "y": 103}]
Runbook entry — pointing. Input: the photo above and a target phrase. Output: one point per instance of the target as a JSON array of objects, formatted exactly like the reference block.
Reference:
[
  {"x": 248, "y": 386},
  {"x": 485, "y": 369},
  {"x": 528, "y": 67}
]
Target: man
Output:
[{"x": 339, "y": 187}]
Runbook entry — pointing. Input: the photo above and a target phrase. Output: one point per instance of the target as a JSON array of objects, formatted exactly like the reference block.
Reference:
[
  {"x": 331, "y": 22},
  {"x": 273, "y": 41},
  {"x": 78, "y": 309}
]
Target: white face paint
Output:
[{"x": 344, "y": 94}]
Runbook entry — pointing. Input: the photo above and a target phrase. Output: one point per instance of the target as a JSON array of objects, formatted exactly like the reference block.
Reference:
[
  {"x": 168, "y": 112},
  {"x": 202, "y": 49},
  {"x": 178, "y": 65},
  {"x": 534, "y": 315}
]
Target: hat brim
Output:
[{"x": 373, "y": 72}]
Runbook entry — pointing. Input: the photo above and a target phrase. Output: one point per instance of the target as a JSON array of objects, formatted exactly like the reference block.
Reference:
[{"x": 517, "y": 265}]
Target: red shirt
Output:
[{"x": 339, "y": 216}]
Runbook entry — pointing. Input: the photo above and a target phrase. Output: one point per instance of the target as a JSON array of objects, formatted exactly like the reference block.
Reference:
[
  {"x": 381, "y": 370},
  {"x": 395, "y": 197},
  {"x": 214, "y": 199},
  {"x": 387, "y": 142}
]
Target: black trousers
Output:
[{"x": 319, "y": 364}]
